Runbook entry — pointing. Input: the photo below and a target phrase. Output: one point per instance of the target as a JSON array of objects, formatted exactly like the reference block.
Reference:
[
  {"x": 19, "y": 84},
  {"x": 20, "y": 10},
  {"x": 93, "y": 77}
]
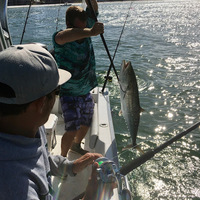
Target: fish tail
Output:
[
  {"x": 142, "y": 110},
  {"x": 135, "y": 146},
  {"x": 139, "y": 149}
]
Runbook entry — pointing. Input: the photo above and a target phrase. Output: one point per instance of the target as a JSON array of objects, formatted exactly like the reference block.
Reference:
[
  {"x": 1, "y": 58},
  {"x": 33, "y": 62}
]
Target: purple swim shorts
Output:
[{"x": 77, "y": 111}]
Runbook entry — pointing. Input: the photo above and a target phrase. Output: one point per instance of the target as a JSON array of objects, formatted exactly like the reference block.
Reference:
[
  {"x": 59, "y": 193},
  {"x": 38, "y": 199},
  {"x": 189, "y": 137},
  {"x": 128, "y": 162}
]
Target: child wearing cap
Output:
[
  {"x": 28, "y": 81},
  {"x": 74, "y": 52}
]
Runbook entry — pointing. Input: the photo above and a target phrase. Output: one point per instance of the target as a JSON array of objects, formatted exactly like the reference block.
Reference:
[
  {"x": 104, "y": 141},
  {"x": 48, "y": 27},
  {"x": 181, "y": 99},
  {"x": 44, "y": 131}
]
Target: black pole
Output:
[
  {"x": 104, "y": 42},
  {"x": 147, "y": 156},
  {"x": 26, "y": 21}
]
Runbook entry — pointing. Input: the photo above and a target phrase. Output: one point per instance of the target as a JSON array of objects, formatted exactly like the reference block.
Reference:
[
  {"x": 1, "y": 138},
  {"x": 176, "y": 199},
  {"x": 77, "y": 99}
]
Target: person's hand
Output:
[
  {"x": 97, "y": 29},
  {"x": 85, "y": 160}
]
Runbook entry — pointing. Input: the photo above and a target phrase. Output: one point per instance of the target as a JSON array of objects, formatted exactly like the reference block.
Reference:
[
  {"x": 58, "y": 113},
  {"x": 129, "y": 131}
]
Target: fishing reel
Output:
[{"x": 107, "y": 172}]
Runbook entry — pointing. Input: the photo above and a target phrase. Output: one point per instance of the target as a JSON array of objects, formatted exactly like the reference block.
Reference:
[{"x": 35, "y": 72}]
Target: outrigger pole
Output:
[
  {"x": 147, "y": 156},
  {"x": 104, "y": 42},
  {"x": 26, "y": 21}
]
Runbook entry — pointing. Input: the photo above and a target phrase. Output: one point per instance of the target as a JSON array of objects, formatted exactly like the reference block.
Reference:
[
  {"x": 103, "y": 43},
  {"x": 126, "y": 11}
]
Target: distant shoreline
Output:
[
  {"x": 70, "y": 2},
  {"x": 49, "y": 3}
]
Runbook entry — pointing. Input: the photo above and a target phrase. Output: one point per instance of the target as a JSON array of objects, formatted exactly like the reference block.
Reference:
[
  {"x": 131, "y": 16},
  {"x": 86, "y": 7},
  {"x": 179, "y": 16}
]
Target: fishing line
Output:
[
  {"x": 108, "y": 72},
  {"x": 57, "y": 19},
  {"x": 172, "y": 128},
  {"x": 180, "y": 133},
  {"x": 26, "y": 21},
  {"x": 151, "y": 153}
]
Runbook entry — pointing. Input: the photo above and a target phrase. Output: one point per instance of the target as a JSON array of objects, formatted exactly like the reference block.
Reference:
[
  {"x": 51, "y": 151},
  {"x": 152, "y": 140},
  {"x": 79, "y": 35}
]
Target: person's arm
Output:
[
  {"x": 61, "y": 166},
  {"x": 73, "y": 34}
]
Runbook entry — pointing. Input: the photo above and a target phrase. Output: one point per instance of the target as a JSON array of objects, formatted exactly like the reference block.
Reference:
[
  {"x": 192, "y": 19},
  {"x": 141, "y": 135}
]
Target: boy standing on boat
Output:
[
  {"x": 29, "y": 80},
  {"x": 74, "y": 52}
]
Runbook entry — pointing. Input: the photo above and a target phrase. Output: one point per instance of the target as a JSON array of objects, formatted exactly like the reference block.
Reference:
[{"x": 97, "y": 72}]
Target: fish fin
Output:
[
  {"x": 142, "y": 110},
  {"x": 137, "y": 147},
  {"x": 127, "y": 147},
  {"x": 120, "y": 113},
  {"x": 124, "y": 94}
]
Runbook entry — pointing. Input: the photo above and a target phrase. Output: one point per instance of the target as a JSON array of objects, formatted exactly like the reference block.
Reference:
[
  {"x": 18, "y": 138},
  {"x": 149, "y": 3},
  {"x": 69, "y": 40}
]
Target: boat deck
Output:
[{"x": 100, "y": 138}]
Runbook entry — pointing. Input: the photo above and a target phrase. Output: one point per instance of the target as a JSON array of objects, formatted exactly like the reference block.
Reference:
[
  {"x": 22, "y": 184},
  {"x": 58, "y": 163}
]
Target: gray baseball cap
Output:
[{"x": 31, "y": 72}]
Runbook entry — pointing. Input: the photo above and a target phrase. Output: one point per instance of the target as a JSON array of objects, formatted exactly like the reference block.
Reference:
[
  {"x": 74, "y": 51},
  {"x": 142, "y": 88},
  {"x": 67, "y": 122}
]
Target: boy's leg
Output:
[
  {"x": 66, "y": 142},
  {"x": 71, "y": 116},
  {"x": 87, "y": 109},
  {"x": 81, "y": 134},
  {"x": 76, "y": 146},
  {"x": 76, "y": 111}
]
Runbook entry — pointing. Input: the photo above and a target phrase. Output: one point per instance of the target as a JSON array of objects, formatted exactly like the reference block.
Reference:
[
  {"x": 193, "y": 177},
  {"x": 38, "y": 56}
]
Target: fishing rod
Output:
[
  {"x": 108, "y": 72},
  {"x": 26, "y": 21},
  {"x": 106, "y": 164},
  {"x": 103, "y": 40},
  {"x": 150, "y": 154}
]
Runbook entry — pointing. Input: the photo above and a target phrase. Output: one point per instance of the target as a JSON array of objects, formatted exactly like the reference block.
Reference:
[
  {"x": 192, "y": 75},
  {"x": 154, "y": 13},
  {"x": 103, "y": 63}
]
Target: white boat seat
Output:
[{"x": 50, "y": 127}]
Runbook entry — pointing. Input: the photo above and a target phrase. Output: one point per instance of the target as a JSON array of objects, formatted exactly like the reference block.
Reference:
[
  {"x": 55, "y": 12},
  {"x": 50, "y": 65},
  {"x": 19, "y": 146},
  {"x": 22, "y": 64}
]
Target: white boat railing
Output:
[{"x": 5, "y": 39}]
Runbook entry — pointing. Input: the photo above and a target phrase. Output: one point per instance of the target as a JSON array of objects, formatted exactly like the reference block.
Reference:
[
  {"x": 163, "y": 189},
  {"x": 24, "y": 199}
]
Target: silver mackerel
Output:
[{"x": 129, "y": 96}]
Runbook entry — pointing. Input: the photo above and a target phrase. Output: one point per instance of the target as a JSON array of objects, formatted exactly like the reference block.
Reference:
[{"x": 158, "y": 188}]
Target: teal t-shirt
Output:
[{"x": 79, "y": 60}]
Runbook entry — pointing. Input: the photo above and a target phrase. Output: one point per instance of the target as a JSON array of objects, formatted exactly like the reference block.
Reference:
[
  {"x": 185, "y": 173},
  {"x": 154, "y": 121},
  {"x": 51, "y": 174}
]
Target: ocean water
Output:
[{"x": 162, "y": 41}]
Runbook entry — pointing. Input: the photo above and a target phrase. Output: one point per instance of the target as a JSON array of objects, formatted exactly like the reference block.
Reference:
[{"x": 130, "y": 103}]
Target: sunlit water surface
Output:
[{"x": 162, "y": 40}]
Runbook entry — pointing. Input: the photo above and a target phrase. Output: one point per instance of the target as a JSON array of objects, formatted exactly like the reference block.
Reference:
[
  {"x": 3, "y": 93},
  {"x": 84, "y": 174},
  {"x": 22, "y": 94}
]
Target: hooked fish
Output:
[{"x": 129, "y": 96}]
